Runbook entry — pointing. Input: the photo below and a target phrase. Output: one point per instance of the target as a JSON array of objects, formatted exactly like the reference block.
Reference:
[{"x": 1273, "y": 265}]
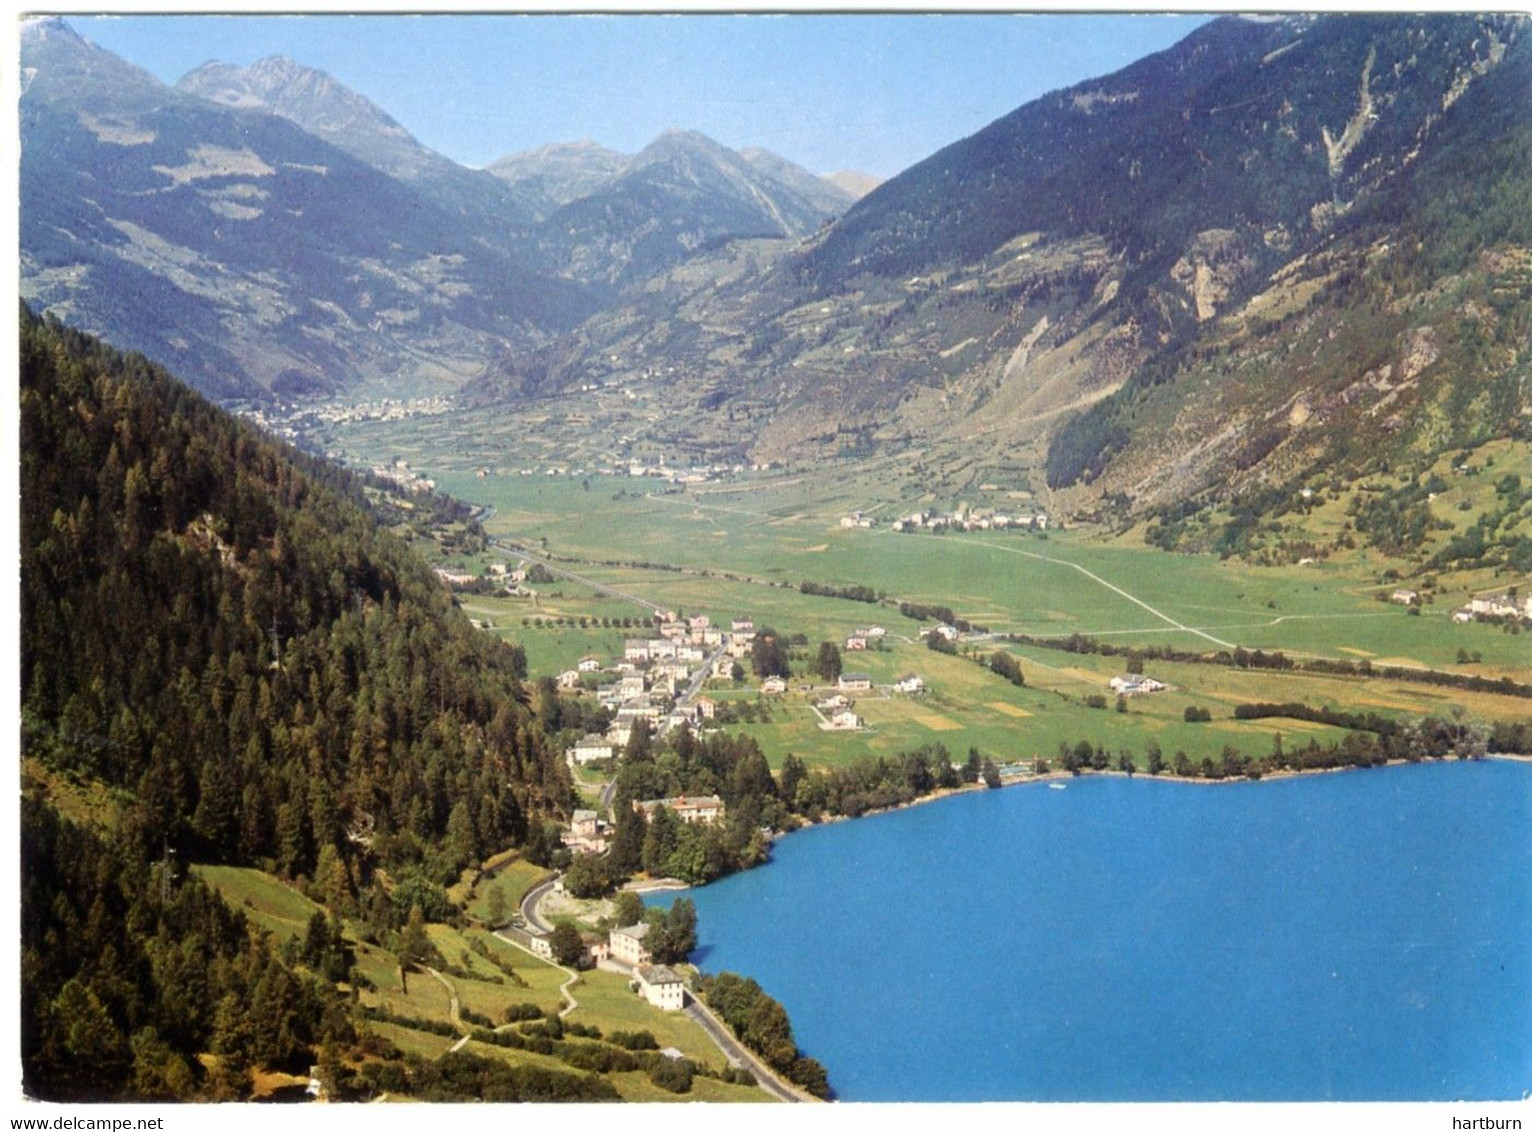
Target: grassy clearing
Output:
[
  {"x": 513, "y": 880},
  {"x": 84, "y": 801},
  {"x": 606, "y": 1001},
  {"x": 425, "y": 997},
  {"x": 429, "y": 1046},
  {"x": 271, "y": 904}
]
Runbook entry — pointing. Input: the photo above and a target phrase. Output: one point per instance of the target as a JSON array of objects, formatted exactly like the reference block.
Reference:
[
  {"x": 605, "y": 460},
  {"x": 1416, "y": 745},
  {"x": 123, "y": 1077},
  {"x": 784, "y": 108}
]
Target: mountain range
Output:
[
  {"x": 1282, "y": 246},
  {"x": 266, "y": 229}
]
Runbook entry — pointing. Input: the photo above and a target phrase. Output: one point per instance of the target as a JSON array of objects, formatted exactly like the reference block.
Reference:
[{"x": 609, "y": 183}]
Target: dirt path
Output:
[
  {"x": 570, "y": 1003},
  {"x": 454, "y": 1007}
]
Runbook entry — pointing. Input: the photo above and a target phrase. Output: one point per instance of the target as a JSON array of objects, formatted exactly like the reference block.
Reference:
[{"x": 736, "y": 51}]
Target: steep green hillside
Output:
[{"x": 212, "y": 626}]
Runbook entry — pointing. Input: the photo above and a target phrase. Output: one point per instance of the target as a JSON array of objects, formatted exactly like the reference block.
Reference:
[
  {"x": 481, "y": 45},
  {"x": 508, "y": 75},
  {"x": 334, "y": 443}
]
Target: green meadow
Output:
[
  {"x": 1007, "y": 581},
  {"x": 727, "y": 550},
  {"x": 482, "y": 986}
]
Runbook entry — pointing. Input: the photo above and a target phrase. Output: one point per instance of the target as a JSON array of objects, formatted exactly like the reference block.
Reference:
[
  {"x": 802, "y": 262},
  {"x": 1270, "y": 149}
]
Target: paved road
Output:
[
  {"x": 715, "y": 1029},
  {"x": 724, "y": 1039},
  {"x": 685, "y": 698},
  {"x": 529, "y": 904}
]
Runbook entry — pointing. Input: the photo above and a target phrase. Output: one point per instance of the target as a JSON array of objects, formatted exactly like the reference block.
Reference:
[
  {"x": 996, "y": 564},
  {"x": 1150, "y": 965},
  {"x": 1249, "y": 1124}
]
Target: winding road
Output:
[
  {"x": 574, "y": 976},
  {"x": 454, "y": 1008},
  {"x": 720, "y": 1034},
  {"x": 529, "y": 904}
]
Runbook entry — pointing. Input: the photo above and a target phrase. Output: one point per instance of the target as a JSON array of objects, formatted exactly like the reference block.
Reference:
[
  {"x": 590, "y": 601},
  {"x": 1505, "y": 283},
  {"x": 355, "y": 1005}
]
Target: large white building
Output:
[
  {"x": 591, "y": 748},
  {"x": 1133, "y": 684},
  {"x": 628, "y": 944},
  {"x": 661, "y": 987}
]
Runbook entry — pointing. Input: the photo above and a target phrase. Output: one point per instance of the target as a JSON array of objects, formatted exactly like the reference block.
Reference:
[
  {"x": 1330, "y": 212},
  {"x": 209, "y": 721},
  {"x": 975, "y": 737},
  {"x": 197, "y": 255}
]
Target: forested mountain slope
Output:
[{"x": 215, "y": 635}]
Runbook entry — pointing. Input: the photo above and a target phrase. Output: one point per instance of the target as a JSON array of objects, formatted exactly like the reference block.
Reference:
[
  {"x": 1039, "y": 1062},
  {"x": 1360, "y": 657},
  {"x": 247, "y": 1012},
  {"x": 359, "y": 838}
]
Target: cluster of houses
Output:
[
  {"x": 1498, "y": 607},
  {"x": 693, "y": 811},
  {"x": 1502, "y": 606},
  {"x": 514, "y": 580},
  {"x": 588, "y": 832},
  {"x": 638, "y": 469},
  {"x": 970, "y": 519},
  {"x": 863, "y": 639},
  {"x": 298, "y": 420},
  {"x": 402, "y": 475},
  {"x": 653, "y": 676},
  {"x": 964, "y": 518},
  {"x": 837, "y": 714},
  {"x": 657, "y": 984},
  {"x": 1135, "y": 684},
  {"x": 837, "y": 711}
]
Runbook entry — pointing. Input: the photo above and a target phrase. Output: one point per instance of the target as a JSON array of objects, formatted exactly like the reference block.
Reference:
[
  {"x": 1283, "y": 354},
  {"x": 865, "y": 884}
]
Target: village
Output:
[
  {"x": 961, "y": 518},
  {"x": 298, "y": 420},
  {"x": 656, "y": 683},
  {"x": 1499, "y": 607}
]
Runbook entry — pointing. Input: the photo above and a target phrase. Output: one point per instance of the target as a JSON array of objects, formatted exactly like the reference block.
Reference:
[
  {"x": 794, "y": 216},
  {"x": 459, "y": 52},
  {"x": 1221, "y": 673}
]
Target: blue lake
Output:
[{"x": 1356, "y": 936}]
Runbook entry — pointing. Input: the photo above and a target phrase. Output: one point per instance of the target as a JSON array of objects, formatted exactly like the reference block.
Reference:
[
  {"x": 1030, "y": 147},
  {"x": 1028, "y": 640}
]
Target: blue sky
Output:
[{"x": 874, "y": 93}]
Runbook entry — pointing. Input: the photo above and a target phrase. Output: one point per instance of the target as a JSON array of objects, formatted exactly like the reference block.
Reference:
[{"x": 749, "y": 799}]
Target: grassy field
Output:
[
  {"x": 273, "y": 905},
  {"x": 483, "y": 987},
  {"x": 744, "y": 549},
  {"x": 1009, "y": 581}
]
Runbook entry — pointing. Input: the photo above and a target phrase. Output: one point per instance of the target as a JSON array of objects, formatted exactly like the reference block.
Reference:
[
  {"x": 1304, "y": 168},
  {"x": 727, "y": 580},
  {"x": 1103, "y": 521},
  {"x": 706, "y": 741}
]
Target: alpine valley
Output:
[{"x": 419, "y": 561}]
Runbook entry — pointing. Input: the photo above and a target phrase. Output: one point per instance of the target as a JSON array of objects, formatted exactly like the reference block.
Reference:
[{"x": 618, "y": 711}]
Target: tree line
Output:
[
  {"x": 761, "y": 1023},
  {"x": 1258, "y": 658}
]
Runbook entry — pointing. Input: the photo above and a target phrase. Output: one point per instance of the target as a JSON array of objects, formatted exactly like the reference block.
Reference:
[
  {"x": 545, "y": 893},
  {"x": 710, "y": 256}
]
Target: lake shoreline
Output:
[
  {"x": 671, "y": 884},
  {"x": 1320, "y": 841},
  {"x": 1191, "y": 780}
]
